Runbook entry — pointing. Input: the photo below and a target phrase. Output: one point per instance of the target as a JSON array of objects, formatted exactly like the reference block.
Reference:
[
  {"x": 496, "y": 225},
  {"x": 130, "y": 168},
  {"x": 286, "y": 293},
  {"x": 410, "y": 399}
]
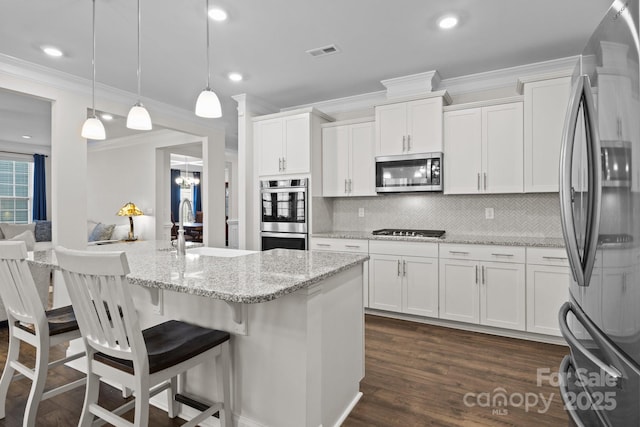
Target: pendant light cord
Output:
[
  {"x": 139, "y": 68},
  {"x": 208, "y": 53},
  {"x": 93, "y": 62}
]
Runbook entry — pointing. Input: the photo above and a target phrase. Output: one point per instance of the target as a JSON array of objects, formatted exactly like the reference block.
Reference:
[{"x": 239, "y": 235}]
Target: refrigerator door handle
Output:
[
  {"x": 574, "y": 343},
  {"x": 564, "y": 390}
]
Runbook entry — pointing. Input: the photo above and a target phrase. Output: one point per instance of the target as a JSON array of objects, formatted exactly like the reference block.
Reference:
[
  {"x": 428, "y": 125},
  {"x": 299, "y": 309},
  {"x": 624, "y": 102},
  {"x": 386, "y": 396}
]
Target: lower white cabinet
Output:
[
  {"x": 401, "y": 282},
  {"x": 548, "y": 280},
  {"x": 474, "y": 289},
  {"x": 359, "y": 246}
]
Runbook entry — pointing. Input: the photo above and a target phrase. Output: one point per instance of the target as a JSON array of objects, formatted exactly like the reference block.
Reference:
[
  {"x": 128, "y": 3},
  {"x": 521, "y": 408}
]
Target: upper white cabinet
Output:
[
  {"x": 409, "y": 127},
  {"x": 545, "y": 108},
  {"x": 484, "y": 149},
  {"x": 283, "y": 145},
  {"x": 348, "y": 160},
  {"x": 614, "y": 106}
]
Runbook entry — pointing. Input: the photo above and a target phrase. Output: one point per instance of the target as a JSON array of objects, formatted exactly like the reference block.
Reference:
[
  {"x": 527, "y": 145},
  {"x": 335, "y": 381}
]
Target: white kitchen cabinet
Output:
[
  {"x": 484, "y": 150},
  {"x": 614, "y": 106},
  {"x": 359, "y": 246},
  {"x": 401, "y": 281},
  {"x": 483, "y": 285},
  {"x": 545, "y": 108},
  {"x": 284, "y": 145},
  {"x": 348, "y": 160},
  {"x": 409, "y": 127}
]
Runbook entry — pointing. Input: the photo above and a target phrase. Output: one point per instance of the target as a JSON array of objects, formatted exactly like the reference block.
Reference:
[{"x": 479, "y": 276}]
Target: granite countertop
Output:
[
  {"x": 250, "y": 278},
  {"x": 541, "y": 242}
]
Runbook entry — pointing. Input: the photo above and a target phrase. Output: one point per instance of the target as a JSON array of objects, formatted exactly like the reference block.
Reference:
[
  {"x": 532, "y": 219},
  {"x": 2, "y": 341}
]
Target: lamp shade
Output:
[
  {"x": 138, "y": 118},
  {"x": 129, "y": 209},
  {"x": 93, "y": 129},
  {"x": 208, "y": 105}
]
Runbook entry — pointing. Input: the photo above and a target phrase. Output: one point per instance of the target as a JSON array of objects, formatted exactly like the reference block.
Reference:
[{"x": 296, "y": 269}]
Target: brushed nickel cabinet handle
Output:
[
  {"x": 507, "y": 255},
  {"x": 324, "y": 245},
  {"x": 555, "y": 258},
  {"x": 408, "y": 142},
  {"x": 485, "y": 180},
  {"x": 345, "y": 186},
  {"x": 352, "y": 246},
  {"x": 284, "y": 164},
  {"x": 404, "y": 142},
  {"x": 483, "y": 279},
  {"x": 478, "y": 181},
  {"x": 398, "y": 268},
  {"x": 459, "y": 252},
  {"x": 476, "y": 274},
  {"x": 404, "y": 268}
]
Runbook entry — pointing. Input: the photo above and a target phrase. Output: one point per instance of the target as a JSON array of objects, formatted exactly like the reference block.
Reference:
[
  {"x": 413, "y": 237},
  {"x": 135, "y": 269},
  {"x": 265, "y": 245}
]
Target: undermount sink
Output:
[{"x": 218, "y": 252}]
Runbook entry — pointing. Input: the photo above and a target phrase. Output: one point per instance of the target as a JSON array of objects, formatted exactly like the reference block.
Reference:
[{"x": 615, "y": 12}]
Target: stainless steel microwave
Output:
[{"x": 409, "y": 172}]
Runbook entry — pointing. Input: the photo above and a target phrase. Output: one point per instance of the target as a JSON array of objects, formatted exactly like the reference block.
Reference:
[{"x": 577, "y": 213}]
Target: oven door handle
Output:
[
  {"x": 284, "y": 190},
  {"x": 284, "y": 235}
]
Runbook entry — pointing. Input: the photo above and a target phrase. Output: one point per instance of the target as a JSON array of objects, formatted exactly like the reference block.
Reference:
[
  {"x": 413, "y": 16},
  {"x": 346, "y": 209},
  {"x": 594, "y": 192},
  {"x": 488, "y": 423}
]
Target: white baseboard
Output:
[{"x": 348, "y": 409}]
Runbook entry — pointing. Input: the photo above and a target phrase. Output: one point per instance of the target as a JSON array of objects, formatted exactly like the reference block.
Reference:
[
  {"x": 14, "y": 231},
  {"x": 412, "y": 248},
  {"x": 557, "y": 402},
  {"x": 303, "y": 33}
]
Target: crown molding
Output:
[
  {"x": 257, "y": 106},
  {"x": 26, "y": 149},
  {"x": 414, "y": 84},
  {"x": 36, "y": 73},
  {"x": 346, "y": 104}
]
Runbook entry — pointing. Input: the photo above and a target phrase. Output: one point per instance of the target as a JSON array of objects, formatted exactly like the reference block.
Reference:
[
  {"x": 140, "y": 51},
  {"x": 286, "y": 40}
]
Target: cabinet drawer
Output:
[
  {"x": 340, "y": 245},
  {"x": 483, "y": 253},
  {"x": 547, "y": 256},
  {"x": 402, "y": 248}
]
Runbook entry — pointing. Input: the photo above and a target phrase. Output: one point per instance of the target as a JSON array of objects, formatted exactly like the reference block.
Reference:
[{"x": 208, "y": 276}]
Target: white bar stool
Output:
[
  {"x": 147, "y": 362},
  {"x": 28, "y": 322}
]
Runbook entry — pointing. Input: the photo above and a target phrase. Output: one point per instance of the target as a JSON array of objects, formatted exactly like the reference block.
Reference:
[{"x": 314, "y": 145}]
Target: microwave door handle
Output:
[
  {"x": 566, "y": 164},
  {"x": 595, "y": 182}
]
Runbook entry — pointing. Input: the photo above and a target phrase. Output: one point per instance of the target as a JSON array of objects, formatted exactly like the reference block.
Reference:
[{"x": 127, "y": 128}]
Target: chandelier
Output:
[{"x": 186, "y": 180}]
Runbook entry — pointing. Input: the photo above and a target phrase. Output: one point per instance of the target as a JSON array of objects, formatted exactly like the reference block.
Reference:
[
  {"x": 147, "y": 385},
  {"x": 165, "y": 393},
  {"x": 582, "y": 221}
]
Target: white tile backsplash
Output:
[{"x": 532, "y": 215}]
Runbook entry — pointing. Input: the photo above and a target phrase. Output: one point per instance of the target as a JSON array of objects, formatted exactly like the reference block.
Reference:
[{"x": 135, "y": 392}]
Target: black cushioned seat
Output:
[
  {"x": 170, "y": 343},
  {"x": 60, "y": 320}
]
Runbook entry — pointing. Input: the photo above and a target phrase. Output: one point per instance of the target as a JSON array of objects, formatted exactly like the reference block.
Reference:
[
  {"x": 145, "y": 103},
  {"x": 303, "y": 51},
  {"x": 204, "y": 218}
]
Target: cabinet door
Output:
[
  {"x": 391, "y": 129},
  {"x": 335, "y": 161},
  {"x": 614, "y": 103},
  {"x": 385, "y": 282},
  {"x": 297, "y": 144},
  {"x": 458, "y": 293},
  {"x": 269, "y": 136},
  {"x": 618, "y": 300},
  {"x": 424, "y": 125},
  {"x": 502, "y": 295},
  {"x": 547, "y": 290},
  {"x": 420, "y": 294},
  {"x": 502, "y": 148},
  {"x": 545, "y": 108},
  {"x": 362, "y": 159},
  {"x": 462, "y": 151}
]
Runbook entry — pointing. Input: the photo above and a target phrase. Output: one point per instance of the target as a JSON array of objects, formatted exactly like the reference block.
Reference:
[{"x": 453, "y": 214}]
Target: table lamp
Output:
[{"x": 130, "y": 210}]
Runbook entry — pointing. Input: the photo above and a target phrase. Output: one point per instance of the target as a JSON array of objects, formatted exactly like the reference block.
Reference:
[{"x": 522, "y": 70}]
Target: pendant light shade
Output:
[
  {"x": 138, "y": 117},
  {"x": 208, "y": 104},
  {"x": 93, "y": 127}
]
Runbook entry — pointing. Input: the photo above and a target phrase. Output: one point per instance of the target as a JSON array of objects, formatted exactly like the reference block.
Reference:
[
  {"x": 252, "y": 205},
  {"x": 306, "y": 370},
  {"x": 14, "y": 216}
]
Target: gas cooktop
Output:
[{"x": 408, "y": 233}]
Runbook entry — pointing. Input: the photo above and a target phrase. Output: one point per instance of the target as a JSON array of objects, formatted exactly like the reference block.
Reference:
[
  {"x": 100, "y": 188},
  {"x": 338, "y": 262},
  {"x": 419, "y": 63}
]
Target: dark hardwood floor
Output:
[{"x": 416, "y": 375}]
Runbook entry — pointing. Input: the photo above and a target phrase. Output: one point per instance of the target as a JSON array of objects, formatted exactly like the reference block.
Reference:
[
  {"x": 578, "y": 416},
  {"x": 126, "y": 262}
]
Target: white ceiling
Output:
[{"x": 267, "y": 40}]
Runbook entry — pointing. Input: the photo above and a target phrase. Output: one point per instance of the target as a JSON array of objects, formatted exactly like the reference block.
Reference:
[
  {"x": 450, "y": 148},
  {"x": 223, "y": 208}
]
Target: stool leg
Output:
[
  {"x": 37, "y": 387},
  {"x": 141, "y": 417},
  {"x": 225, "y": 357},
  {"x": 91, "y": 393},
  {"x": 172, "y": 404},
  {"x": 13, "y": 352}
]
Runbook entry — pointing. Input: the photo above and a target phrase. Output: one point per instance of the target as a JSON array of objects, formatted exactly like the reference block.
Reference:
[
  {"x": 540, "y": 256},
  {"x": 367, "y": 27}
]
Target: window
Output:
[{"x": 15, "y": 191}]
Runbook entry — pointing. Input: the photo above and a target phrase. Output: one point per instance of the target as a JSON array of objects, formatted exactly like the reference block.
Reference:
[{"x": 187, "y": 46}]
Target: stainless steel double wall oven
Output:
[{"x": 283, "y": 221}]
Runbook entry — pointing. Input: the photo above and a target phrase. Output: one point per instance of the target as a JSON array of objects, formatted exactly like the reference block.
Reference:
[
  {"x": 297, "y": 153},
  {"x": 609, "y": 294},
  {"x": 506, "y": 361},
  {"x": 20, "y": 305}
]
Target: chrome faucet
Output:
[{"x": 181, "y": 241}]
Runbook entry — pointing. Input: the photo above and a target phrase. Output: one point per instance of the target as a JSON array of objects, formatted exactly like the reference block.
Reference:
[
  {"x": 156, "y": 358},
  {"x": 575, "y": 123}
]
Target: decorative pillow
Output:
[
  {"x": 12, "y": 230},
  {"x": 26, "y": 237},
  {"x": 43, "y": 231},
  {"x": 121, "y": 232},
  {"x": 102, "y": 232}
]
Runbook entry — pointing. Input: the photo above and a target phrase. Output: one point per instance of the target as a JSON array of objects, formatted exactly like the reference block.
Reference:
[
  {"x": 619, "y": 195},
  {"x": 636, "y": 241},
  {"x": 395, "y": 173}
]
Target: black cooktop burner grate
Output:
[{"x": 408, "y": 232}]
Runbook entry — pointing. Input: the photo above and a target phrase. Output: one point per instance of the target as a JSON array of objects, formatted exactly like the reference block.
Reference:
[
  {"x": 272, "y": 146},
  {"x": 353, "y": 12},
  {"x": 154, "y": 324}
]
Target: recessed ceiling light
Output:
[
  {"x": 447, "y": 22},
  {"x": 26, "y": 136},
  {"x": 218, "y": 14},
  {"x": 52, "y": 51},
  {"x": 235, "y": 77},
  {"x": 106, "y": 116}
]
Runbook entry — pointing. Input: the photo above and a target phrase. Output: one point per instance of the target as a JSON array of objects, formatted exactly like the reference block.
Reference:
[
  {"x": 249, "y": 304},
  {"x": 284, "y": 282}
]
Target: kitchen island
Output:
[{"x": 296, "y": 317}]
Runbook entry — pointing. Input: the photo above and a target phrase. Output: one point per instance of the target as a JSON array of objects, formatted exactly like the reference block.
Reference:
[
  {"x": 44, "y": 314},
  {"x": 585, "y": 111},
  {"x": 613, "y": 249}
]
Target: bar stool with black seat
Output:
[
  {"x": 30, "y": 323},
  {"x": 146, "y": 361}
]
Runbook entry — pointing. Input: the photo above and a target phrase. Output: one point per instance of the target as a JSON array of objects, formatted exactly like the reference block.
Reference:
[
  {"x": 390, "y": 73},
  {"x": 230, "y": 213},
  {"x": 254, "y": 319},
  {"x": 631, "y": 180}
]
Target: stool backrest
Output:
[
  {"x": 99, "y": 292},
  {"x": 17, "y": 288}
]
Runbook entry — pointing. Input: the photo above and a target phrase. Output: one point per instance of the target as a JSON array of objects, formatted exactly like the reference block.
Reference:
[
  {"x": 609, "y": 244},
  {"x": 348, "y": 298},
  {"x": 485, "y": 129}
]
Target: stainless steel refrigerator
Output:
[{"x": 600, "y": 213}]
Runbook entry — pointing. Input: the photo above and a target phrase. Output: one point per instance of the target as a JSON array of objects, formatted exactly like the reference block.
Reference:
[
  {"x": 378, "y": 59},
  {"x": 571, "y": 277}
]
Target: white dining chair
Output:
[
  {"x": 29, "y": 322},
  {"x": 146, "y": 361}
]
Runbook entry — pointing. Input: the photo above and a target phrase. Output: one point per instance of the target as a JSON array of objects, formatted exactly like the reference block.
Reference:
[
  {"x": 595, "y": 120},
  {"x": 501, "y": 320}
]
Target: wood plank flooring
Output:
[{"x": 416, "y": 375}]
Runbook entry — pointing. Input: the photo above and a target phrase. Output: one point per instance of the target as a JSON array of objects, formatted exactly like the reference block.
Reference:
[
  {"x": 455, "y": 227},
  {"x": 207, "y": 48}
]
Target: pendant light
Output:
[
  {"x": 93, "y": 127},
  {"x": 208, "y": 104},
  {"x": 138, "y": 117}
]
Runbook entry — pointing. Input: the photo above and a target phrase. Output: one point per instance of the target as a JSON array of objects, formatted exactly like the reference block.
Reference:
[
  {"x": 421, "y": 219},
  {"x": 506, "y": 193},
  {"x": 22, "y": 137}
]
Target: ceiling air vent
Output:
[{"x": 324, "y": 51}]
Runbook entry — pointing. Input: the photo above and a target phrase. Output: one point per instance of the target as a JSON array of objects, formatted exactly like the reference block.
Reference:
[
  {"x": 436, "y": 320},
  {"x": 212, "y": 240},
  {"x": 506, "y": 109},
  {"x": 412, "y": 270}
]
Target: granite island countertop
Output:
[
  {"x": 249, "y": 278},
  {"x": 541, "y": 242}
]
